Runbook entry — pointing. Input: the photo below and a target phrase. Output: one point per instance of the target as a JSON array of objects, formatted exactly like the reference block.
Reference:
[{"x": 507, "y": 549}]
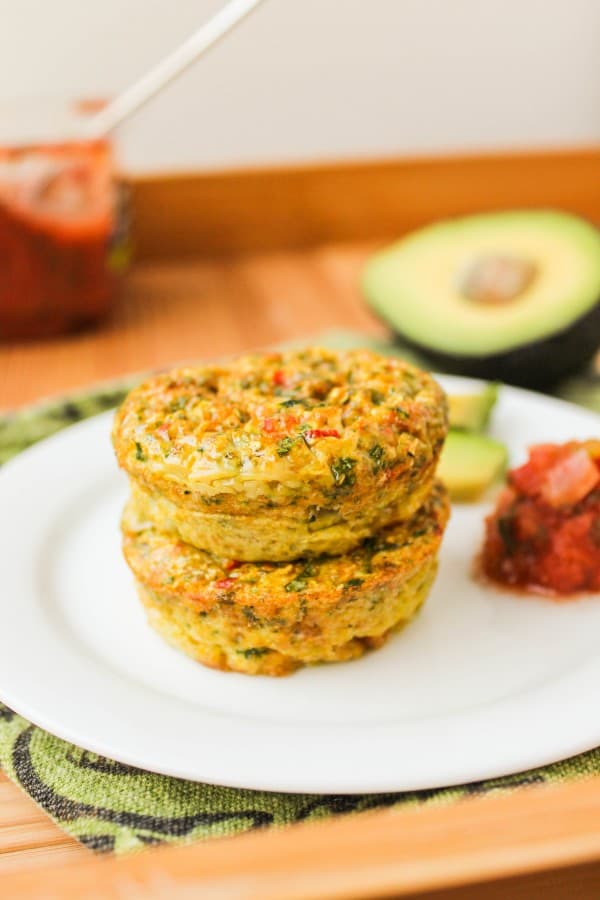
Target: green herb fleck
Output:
[
  {"x": 285, "y": 445},
  {"x": 253, "y": 651},
  {"x": 300, "y": 582},
  {"x": 296, "y": 584},
  {"x": 250, "y": 615},
  {"x": 377, "y": 454},
  {"x": 377, "y": 544},
  {"x": 293, "y": 401},
  {"x": 342, "y": 470},
  {"x": 377, "y": 397},
  {"x": 353, "y": 582},
  {"x": 139, "y": 453}
]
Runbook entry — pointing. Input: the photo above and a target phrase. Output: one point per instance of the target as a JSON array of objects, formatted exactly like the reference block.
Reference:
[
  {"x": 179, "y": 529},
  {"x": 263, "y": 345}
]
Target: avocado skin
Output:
[{"x": 539, "y": 364}]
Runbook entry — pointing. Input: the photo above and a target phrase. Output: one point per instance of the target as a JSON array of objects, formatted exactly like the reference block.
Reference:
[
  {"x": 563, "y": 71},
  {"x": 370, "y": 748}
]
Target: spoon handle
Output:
[{"x": 169, "y": 68}]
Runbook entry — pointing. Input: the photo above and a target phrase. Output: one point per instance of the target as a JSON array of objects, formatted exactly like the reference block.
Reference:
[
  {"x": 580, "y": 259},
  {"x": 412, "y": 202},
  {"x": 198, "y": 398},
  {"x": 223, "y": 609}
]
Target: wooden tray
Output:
[{"x": 230, "y": 261}]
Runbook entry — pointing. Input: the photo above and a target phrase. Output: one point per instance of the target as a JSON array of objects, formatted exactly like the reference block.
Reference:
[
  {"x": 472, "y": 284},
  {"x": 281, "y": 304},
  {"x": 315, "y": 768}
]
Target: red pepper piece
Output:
[{"x": 322, "y": 432}]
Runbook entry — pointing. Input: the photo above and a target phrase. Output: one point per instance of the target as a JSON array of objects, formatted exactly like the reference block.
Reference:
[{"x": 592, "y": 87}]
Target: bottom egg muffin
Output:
[{"x": 270, "y": 618}]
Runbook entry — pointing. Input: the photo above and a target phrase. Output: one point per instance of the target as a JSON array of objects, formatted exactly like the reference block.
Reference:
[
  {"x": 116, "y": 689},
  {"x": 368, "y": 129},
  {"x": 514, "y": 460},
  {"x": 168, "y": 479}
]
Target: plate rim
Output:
[{"x": 301, "y": 785}]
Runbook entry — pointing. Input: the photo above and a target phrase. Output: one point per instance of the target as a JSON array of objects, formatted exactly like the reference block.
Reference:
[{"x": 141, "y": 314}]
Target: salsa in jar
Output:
[
  {"x": 544, "y": 535},
  {"x": 63, "y": 235}
]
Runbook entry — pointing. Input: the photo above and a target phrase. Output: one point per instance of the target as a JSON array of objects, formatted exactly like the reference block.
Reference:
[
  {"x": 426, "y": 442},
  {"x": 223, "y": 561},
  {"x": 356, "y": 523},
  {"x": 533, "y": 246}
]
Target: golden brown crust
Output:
[
  {"x": 271, "y": 617},
  {"x": 271, "y": 535},
  {"x": 297, "y": 432},
  {"x": 214, "y": 641}
]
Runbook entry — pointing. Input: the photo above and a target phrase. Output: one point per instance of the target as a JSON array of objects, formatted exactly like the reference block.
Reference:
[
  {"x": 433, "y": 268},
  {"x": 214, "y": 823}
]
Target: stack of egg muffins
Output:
[{"x": 284, "y": 509}]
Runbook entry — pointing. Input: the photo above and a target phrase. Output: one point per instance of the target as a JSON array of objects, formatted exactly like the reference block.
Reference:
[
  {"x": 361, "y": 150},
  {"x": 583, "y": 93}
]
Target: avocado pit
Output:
[{"x": 496, "y": 279}]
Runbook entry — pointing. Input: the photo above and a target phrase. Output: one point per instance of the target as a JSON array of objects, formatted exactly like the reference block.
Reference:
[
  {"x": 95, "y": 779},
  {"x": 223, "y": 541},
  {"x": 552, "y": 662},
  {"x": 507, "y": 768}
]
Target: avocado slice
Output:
[
  {"x": 508, "y": 296},
  {"x": 470, "y": 463},
  {"x": 471, "y": 412}
]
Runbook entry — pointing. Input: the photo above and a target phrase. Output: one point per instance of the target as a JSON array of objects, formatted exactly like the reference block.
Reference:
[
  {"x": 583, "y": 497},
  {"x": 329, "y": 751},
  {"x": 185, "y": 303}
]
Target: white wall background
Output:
[{"x": 313, "y": 79}]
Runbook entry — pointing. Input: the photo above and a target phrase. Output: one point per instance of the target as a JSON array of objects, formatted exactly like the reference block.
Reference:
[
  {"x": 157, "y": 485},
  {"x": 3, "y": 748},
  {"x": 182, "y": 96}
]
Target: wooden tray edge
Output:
[
  {"x": 373, "y": 854},
  {"x": 289, "y": 207}
]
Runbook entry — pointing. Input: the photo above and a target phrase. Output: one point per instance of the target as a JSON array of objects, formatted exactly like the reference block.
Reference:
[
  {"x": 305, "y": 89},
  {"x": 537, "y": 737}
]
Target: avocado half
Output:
[{"x": 509, "y": 296}]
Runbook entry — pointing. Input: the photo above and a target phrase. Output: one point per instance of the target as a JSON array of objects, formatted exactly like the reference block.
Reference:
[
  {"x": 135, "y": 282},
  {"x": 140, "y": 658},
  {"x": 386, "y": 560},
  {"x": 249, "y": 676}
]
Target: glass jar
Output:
[{"x": 64, "y": 237}]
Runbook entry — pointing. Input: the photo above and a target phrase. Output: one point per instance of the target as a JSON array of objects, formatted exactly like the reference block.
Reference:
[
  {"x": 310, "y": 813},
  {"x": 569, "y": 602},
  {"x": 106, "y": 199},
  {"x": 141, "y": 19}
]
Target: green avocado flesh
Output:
[
  {"x": 470, "y": 463},
  {"x": 420, "y": 284},
  {"x": 471, "y": 412}
]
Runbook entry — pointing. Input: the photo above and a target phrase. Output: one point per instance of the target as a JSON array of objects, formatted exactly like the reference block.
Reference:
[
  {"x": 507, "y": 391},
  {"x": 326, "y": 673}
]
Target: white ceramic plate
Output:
[{"x": 481, "y": 684}]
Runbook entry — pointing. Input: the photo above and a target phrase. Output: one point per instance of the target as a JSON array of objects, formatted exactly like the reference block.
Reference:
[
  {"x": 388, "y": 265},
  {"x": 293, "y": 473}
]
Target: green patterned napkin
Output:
[{"x": 111, "y": 807}]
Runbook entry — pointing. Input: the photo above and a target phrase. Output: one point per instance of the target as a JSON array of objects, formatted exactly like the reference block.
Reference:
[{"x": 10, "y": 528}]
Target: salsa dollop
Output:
[{"x": 544, "y": 535}]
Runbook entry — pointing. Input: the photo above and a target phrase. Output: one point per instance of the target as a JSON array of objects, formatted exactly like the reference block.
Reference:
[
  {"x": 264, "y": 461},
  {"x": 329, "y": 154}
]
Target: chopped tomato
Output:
[
  {"x": 279, "y": 378},
  {"x": 528, "y": 479},
  {"x": 545, "y": 532},
  {"x": 570, "y": 480},
  {"x": 232, "y": 564}
]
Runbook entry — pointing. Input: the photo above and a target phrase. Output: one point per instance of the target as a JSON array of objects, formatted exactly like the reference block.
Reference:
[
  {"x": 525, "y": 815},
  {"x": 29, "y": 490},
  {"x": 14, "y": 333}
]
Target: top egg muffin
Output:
[{"x": 301, "y": 441}]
